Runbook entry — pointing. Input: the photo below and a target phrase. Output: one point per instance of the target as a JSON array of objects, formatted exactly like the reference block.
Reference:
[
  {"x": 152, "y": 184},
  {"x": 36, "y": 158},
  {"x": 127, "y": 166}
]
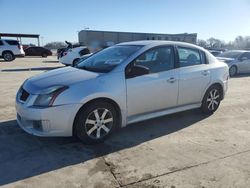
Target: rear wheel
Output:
[
  {"x": 96, "y": 122},
  {"x": 211, "y": 100},
  {"x": 233, "y": 71},
  {"x": 8, "y": 56}
]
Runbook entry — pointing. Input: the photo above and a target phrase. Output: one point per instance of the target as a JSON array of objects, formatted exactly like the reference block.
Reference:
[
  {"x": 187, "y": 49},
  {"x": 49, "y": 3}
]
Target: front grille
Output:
[{"x": 24, "y": 95}]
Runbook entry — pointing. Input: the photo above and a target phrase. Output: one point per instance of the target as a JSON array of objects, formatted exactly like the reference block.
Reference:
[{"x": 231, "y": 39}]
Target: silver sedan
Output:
[
  {"x": 238, "y": 61},
  {"x": 120, "y": 85}
]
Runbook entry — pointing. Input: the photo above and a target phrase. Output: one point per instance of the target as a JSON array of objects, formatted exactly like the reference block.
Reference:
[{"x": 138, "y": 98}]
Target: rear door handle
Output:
[
  {"x": 171, "y": 80},
  {"x": 205, "y": 72}
]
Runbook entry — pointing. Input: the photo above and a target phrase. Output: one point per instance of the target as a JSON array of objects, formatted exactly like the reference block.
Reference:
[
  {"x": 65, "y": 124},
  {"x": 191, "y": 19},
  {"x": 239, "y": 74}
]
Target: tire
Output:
[
  {"x": 233, "y": 71},
  {"x": 74, "y": 63},
  {"x": 8, "y": 56},
  {"x": 90, "y": 126},
  {"x": 211, "y": 100},
  {"x": 44, "y": 55}
]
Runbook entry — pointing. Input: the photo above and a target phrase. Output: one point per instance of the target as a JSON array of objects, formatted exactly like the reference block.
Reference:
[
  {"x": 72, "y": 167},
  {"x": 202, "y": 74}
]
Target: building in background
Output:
[{"x": 109, "y": 38}]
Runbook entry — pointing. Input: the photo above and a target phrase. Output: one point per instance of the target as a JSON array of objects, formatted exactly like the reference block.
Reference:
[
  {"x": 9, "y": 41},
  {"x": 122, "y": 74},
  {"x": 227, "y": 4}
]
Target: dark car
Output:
[
  {"x": 37, "y": 51},
  {"x": 215, "y": 52}
]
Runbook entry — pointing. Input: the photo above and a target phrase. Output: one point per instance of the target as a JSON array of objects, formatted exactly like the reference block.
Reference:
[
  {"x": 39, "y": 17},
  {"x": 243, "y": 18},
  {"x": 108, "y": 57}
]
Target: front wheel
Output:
[
  {"x": 96, "y": 122},
  {"x": 233, "y": 71},
  {"x": 211, "y": 100},
  {"x": 44, "y": 55}
]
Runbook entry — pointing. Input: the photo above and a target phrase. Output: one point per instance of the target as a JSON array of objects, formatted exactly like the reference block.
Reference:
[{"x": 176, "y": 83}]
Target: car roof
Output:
[
  {"x": 241, "y": 51},
  {"x": 160, "y": 42},
  {"x": 9, "y": 39},
  {"x": 79, "y": 48},
  {"x": 35, "y": 47},
  {"x": 215, "y": 51}
]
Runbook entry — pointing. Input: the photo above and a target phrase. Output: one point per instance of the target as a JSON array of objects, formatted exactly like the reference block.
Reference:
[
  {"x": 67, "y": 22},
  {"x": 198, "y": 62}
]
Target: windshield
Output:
[
  {"x": 108, "y": 59},
  {"x": 230, "y": 54}
]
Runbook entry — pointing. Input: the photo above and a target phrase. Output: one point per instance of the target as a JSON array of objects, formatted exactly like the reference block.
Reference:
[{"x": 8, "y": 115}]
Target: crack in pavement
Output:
[
  {"x": 111, "y": 167},
  {"x": 186, "y": 168}
]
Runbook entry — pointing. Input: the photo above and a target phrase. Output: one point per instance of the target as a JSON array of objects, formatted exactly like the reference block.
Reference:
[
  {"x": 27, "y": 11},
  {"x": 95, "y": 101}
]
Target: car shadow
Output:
[
  {"x": 51, "y": 61},
  {"x": 23, "y": 155},
  {"x": 30, "y": 69},
  {"x": 241, "y": 75}
]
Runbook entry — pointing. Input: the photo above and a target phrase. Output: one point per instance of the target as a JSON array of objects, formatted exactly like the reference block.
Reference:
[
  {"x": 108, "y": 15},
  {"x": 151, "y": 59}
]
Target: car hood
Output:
[{"x": 59, "y": 77}]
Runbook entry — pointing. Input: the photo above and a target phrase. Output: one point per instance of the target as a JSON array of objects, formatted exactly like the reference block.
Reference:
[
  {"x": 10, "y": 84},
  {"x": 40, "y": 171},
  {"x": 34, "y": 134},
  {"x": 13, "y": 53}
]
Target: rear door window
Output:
[
  {"x": 246, "y": 55},
  {"x": 1, "y": 43},
  {"x": 84, "y": 51},
  {"x": 190, "y": 57}
]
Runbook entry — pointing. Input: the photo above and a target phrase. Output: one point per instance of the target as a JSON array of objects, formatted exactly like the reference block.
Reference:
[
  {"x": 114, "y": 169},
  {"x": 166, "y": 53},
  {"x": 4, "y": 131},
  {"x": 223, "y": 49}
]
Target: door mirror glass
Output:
[{"x": 136, "y": 70}]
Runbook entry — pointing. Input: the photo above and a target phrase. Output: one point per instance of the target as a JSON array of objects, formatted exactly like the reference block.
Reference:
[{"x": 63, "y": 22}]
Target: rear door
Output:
[
  {"x": 30, "y": 51},
  {"x": 194, "y": 75},
  {"x": 1, "y": 47},
  {"x": 14, "y": 46}
]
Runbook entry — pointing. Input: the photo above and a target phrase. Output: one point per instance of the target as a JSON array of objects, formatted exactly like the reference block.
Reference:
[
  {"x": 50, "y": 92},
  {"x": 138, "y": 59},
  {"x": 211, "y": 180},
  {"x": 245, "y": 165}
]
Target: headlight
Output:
[{"x": 48, "y": 96}]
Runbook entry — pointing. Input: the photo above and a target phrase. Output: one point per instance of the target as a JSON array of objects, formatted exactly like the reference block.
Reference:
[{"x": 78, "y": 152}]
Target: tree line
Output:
[{"x": 240, "y": 42}]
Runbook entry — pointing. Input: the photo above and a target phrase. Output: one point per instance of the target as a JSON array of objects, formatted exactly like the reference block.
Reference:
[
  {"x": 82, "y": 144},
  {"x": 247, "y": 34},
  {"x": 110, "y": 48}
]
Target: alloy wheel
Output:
[
  {"x": 232, "y": 71},
  {"x": 7, "y": 57},
  {"x": 99, "y": 123},
  {"x": 213, "y": 99}
]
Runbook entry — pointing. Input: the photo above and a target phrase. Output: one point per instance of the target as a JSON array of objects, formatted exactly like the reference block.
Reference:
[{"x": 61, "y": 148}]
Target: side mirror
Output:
[{"x": 136, "y": 70}]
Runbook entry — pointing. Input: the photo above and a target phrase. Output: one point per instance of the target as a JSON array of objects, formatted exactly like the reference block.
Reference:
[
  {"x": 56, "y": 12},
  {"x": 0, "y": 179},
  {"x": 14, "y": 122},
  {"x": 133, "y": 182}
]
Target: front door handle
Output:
[{"x": 171, "y": 80}]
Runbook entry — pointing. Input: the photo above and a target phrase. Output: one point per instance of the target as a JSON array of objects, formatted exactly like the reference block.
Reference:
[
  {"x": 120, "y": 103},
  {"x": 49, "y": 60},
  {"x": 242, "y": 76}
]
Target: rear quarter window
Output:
[
  {"x": 12, "y": 42},
  {"x": 84, "y": 51}
]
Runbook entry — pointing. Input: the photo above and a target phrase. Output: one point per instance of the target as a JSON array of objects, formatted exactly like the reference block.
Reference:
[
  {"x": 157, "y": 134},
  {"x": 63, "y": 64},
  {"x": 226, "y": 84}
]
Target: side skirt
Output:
[{"x": 142, "y": 117}]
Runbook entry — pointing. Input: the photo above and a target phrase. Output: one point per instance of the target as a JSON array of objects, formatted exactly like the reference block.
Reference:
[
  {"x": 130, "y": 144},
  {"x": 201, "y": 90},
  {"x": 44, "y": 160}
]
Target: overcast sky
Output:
[{"x": 60, "y": 20}]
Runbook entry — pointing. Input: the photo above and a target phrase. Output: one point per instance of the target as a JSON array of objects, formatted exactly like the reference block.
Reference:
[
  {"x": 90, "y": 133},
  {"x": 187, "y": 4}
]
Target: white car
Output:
[
  {"x": 238, "y": 61},
  {"x": 10, "y": 49},
  {"x": 122, "y": 84},
  {"x": 72, "y": 56}
]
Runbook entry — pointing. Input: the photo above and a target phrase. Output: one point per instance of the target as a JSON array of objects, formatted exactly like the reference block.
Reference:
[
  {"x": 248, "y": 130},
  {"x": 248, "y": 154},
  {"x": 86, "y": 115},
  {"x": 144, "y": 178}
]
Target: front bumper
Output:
[{"x": 51, "y": 121}]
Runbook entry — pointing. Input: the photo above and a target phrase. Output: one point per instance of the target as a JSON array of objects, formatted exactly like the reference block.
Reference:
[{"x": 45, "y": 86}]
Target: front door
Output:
[
  {"x": 244, "y": 64},
  {"x": 157, "y": 90}
]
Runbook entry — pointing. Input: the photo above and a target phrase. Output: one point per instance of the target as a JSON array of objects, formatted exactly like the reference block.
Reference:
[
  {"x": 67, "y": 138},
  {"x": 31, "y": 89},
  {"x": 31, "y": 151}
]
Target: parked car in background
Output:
[
  {"x": 215, "y": 52},
  {"x": 72, "y": 56},
  {"x": 37, "y": 51},
  {"x": 83, "y": 58},
  {"x": 238, "y": 61},
  {"x": 122, "y": 84},
  {"x": 10, "y": 49},
  {"x": 60, "y": 51}
]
